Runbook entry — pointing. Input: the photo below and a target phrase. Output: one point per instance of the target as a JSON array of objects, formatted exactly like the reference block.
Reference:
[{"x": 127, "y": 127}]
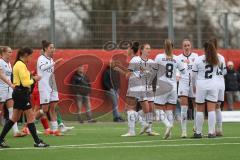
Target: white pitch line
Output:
[
  {"x": 134, "y": 146},
  {"x": 96, "y": 145},
  {"x": 147, "y": 146}
]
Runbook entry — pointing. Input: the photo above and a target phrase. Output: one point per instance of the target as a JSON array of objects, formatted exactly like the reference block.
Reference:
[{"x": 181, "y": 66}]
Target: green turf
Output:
[{"x": 102, "y": 141}]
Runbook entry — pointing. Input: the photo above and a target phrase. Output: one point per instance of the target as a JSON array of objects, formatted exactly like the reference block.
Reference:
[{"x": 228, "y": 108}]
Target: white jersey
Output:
[
  {"x": 7, "y": 71},
  {"x": 222, "y": 67},
  {"x": 171, "y": 65},
  {"x": 45, "y": 69},
  {"x": 204, "y": 70},
  {"x": 188, "y": 62},
  {"x": 220, "y": 80},
  {"x": 139, "y": 81}
]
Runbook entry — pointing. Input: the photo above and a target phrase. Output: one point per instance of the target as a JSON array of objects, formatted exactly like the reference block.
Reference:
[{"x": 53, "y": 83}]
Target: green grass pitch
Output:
[{"x": 102, "y": 141}]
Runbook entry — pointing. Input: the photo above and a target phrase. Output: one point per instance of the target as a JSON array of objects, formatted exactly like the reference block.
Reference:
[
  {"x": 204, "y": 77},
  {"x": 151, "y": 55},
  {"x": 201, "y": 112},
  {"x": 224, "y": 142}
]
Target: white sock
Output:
[
  {"x": 199, "y": 122},
  {"x": 149, "y": 117},
  {"x": 142, "y": 118},
  {"x": 149, "y": 121},
  {"x": 194, "y": 120},
  {"x": 157, "y": 114},
  {"x": 211, "y": 122},
  {"x": 54, "y": 125},
  {"x": 170, "y": 117},
  {"x": 184, "y": 118},
  {"x": 219, "y": 119},
  {"x": 15, "y": 127},
  {"x": 163, "y": 118},
  {"x": 131, "y": 115},
  {"x": 61, "y": 124}
]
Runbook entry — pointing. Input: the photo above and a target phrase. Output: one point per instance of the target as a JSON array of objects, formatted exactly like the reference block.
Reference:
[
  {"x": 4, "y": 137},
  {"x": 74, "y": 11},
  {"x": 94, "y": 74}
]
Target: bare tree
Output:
[{"x": 12, "y": 14}]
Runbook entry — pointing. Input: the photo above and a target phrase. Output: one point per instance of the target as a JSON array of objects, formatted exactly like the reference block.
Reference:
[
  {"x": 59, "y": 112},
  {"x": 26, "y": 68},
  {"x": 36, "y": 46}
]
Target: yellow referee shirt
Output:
[{"x": 21, "y": 75}]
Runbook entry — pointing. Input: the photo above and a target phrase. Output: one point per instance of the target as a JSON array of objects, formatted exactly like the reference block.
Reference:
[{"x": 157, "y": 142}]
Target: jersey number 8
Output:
[{"x": 169, "y": 70}]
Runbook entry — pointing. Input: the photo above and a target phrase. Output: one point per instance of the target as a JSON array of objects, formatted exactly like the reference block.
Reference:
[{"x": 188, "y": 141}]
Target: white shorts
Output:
[
  {"x": 206, "y": 93},
  {"x": 5, "y": 94},
  {"x": 48, "y": 97},
  {"x": 147, "y": 96},
  {"x": 185, "y": 89},
  {"x": 221, "y": 94},
  {"x": 167, "y": 98}
]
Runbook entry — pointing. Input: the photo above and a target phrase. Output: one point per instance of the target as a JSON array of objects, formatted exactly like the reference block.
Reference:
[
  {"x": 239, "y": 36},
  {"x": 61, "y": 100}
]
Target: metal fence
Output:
[{"x": 70, "y": 26}]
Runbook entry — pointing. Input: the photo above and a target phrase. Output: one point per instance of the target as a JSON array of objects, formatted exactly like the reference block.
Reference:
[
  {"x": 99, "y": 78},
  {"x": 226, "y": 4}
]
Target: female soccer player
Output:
[
  {"x": 167, "y": 100},
  {"x": 205, "y": 74},
  {"x": 47, "y": 85},
  {"x": 185, "y": 89},
  {"x": 131, "y": 97},
  {"x": 221, "y": 83},
  {"x": 146, "y": 96},
  {"x": 22, "y": 81},
  {"x": 6, "y": 86}
]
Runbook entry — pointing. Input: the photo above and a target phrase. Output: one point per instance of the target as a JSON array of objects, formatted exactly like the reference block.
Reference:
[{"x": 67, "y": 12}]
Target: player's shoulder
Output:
[
  {"x": 160, "y": 55},
  {"x": 150, "y": 60},
  {"x": 135, "y": 59},
  {"x": 176, "y": 57},
  {"x": 180, "y": 55},
  {"x": 199, "y": 59},
  {"x": 220, "y": 56},
  {"x": 2, "y": 61},
  {"x": 41, "y": 57},
  {"x": 193, "y": 54}
]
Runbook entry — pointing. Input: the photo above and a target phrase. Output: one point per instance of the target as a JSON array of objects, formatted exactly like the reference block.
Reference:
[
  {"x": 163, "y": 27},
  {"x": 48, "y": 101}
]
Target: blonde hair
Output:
[
  {"x": 168, "y": 47},
  {"x": 3, "y": 49}
]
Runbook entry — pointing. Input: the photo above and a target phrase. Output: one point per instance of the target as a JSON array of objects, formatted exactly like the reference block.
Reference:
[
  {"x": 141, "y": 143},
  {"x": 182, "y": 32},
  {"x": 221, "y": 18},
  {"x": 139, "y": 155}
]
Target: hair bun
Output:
[
  {"x": 136, "y": 44},
  {"x": 44, "y": 42}
]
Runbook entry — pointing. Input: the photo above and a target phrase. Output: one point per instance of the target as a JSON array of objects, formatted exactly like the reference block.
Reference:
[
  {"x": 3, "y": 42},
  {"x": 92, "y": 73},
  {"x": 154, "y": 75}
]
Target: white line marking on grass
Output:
[
  {"x": 145, "y": 146},
  {"x": 110, "y": 144},
  {"x": 129, "y": 146}
]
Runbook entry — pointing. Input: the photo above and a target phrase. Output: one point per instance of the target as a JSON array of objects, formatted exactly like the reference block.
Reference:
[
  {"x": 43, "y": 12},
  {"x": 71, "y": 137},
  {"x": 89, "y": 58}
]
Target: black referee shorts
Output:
[{"x": 21, "y": 98}]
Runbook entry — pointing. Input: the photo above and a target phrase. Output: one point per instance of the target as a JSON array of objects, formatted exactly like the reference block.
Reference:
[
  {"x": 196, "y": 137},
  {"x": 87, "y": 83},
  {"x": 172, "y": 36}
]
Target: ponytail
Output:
[
  {"x": 135, "y": 47},
  {"x": 168, "y": 47},
  {"x": 211, "y": 53}
]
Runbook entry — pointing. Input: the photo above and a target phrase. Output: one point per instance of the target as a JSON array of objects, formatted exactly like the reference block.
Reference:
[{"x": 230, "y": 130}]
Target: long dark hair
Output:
[
  {"x": 215, "y": 42},
  {"x": 45, "y": 44},
  {"x": 22, "y": 52},
  {"x": 211, "y": 53}
]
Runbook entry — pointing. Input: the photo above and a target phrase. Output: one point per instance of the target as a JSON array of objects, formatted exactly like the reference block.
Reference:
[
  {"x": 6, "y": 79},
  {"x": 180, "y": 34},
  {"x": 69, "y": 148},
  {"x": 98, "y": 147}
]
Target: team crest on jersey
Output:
[
  {"x": 186, "y": 61},
  {"x": 193, "y": 59},
  {"x": 46, "y": 100}
]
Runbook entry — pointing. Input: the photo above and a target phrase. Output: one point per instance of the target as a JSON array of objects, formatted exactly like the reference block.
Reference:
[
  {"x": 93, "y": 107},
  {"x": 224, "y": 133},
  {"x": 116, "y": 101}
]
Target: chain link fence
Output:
[{"x": 71, "y": 25}]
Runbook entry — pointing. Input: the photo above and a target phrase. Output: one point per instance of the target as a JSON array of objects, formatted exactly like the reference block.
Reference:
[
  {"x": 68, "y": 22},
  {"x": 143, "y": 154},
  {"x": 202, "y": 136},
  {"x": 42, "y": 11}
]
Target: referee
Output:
[{"x": 22, "y": 81}]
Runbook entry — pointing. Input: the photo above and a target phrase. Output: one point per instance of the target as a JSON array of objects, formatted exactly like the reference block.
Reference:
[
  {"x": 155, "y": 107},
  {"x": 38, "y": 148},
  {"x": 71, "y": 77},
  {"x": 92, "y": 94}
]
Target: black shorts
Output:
[{"x": 21, "y": 98}]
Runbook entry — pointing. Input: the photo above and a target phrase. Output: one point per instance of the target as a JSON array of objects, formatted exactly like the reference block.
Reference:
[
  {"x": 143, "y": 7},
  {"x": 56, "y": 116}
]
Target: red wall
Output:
[{"x": 95, "y": 62}]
